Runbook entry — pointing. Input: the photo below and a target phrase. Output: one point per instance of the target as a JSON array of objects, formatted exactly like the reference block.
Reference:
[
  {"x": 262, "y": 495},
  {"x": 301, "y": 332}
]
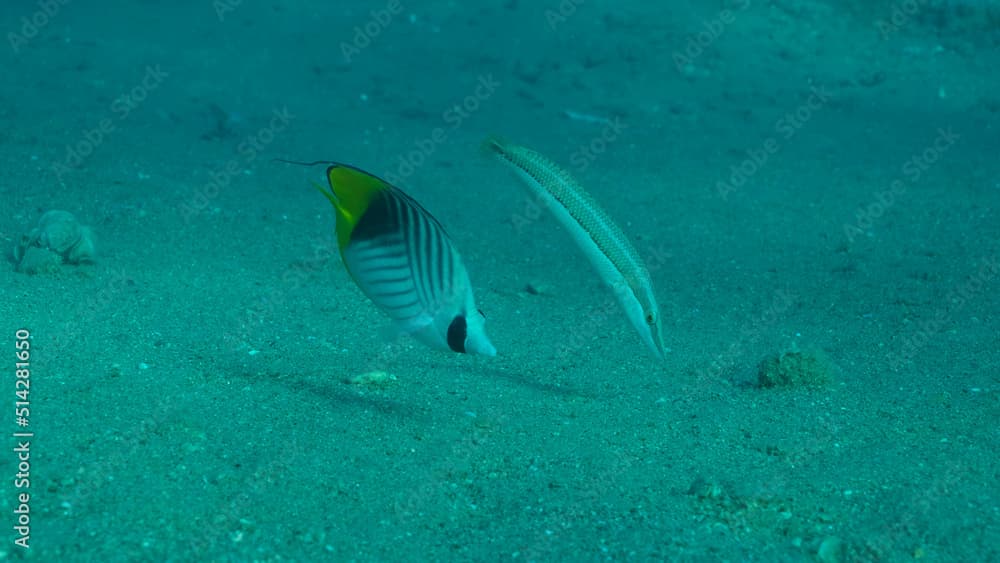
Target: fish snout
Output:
[{"x": 477, "y": 343}]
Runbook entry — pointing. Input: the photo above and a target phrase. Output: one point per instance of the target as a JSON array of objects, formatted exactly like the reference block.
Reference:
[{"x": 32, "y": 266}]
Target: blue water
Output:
[{"x": 814, "y": 182}]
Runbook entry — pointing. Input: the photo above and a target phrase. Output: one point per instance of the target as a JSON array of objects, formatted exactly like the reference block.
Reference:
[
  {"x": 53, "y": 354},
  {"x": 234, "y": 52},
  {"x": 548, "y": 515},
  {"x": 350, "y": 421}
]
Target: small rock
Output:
[
  {"x": 795, "y": 369},
  {"x": 36, "y": 260},
  {"x": 83, "y": 250},
  {"x": 832, "y": 550},
  {"x": 58, "y": 238},
  {"x": 532, "y": 288},
  {"x": 59, "y": 231}
]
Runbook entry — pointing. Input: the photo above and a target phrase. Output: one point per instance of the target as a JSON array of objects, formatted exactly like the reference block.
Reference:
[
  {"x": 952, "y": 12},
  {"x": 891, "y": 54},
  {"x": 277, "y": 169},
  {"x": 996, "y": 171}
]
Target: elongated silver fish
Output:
[
  {"x": 404, "y": 261},
  {"x": 601, "y": 240}
]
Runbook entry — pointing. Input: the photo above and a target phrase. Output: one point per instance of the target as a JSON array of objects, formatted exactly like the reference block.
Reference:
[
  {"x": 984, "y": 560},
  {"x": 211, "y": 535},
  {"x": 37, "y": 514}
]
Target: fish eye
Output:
[{"x": 650, "y": 318}]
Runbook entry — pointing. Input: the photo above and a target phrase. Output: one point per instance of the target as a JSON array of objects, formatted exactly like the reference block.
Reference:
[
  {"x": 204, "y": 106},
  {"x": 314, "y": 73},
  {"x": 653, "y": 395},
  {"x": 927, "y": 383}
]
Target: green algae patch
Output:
[{"x": 795, "y": 368}]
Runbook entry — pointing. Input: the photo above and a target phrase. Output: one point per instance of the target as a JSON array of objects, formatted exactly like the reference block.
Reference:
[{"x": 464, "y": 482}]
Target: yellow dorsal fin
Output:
[{"x": 351, "y": 191}]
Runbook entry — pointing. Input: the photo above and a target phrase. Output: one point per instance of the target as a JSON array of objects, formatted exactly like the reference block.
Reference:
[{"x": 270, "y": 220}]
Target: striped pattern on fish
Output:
[
  {"x": 403, "y": 260},
  {"x": 598, "y": 236}
]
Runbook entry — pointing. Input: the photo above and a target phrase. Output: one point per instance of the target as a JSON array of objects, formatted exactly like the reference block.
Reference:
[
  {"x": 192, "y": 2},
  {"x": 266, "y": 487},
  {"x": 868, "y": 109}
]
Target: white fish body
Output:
[
  {"x": 403, "y": 260},
  {"x": 603, "y": 243}
]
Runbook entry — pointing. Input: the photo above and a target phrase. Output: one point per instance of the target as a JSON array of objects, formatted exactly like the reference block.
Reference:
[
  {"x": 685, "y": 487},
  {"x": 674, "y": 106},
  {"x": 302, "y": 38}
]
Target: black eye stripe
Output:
[{"x": 457, "y": 331}]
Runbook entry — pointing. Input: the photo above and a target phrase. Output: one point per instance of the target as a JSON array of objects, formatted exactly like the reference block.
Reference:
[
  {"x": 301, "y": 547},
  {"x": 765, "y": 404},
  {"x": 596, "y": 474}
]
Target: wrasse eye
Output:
[{"x": 650, "y": 319}]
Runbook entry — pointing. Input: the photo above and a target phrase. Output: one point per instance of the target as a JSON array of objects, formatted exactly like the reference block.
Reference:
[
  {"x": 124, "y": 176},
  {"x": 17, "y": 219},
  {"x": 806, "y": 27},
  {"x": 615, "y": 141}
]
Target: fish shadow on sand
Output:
[
  {"x": 337, "y": 392},
  {"x": 533, "y": 381}
]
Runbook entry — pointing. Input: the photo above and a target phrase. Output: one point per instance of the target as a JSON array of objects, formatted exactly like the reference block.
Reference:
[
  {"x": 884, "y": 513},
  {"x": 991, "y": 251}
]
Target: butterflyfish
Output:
[{"x": 404, "y": 262}]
